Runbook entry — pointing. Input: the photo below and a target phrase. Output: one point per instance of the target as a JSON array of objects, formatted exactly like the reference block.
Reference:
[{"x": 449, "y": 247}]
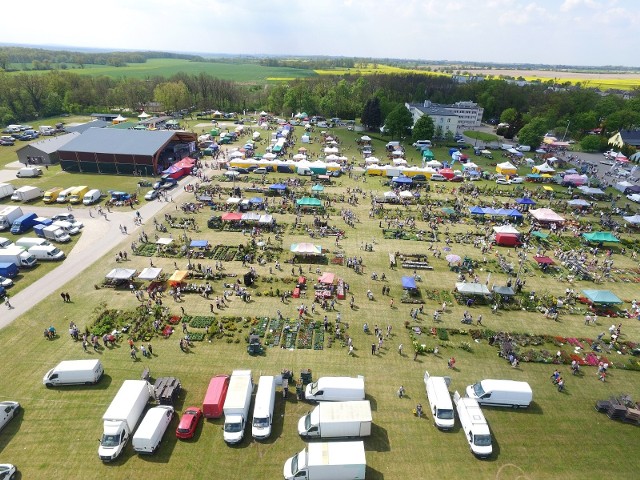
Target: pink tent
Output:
[
  {"x": 231, "y": 217},
  {"x": 327, "y": 278},
  {"x": 546, "y": 215}
]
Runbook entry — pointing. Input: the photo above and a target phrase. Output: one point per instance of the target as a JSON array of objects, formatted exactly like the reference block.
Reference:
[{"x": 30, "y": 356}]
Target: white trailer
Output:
[
  {"x": 26, "y": 194},
  {"x": 337, "y": 420},
  {"x": 474, "y": 425},
  {"x": 6, "y": 190},
  {"x": 150, "y": 432},
  {"x": 236, "y": 405},
  {"x": 122, "y": 416},
  {"x": 74, "y": 372},
  {"x": 328, "y": 461}
]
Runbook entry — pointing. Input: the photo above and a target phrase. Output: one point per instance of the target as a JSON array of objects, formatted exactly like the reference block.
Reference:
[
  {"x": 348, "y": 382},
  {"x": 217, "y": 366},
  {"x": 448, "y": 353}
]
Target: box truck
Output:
[
  {"x": 64, "y": 195},
  {"x": 263, "y": 408},
  {"x": 328, "y": 461},
  {"x": 150, "y": 432},
  {"x": 6, "y": 190},
  {"x": 8, "y": 270},
  {"x": 335, "y": 389},
  {"x": 236, "y": 405},
  {"x": 46, "y": 252},
  {"x": 91, "y": 197},
  {"x": 28, "y": 242},
  {"x": 77, "y": 195},
  {"x": 8, "y": 215},
  {"x": 51, "y": 195},
  {"x": 24, "y": 223},
  {"x": 337, "y": 420},
  {"x": 74, "y": 372},
  {"x": 501, "y": 393},
  {"x": 474, "y": 425},
  {"x": 55, "y": 233},
  {"x": 439, "y": 400},
  {"x": 5, "y": 242},
  {"x": 18, "y": 256},
  {"x": 122, "y": 416},
  {"x": 26, "y": 194},
  {"x": 44, "y": 221},
  {"x": 214, "y": 398}
]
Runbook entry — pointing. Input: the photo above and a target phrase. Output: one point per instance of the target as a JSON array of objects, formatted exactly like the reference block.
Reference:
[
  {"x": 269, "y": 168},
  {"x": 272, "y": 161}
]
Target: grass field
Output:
[
  {"x": 166, "y": 67},
  {"x": 484, "y": 136},
  {"x": 559, "y": 436}
]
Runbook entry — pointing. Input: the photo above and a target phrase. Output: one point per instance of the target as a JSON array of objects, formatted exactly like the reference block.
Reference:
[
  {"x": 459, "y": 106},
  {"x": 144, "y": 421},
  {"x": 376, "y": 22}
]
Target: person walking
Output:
[
  {"x": 7, "y": 302},
  {"x": 400, "y": 349},
  {"x": 373, "y": 349},
  {"x": 401, "y": 392}
]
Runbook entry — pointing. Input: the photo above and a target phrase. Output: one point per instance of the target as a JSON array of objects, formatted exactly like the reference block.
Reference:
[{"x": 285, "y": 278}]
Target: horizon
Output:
[{"x": 526, "y": 32}]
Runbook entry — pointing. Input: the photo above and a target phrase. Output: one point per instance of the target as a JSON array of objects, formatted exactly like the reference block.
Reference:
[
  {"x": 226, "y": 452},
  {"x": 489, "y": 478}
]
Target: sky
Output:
[{"x": 569, "y": 32}]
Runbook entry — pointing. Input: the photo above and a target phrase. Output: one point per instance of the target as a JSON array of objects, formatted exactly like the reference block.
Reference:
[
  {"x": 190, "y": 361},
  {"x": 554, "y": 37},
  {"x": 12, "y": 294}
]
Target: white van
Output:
[
  {"x": 422, "y": 144},
  {"x": 335, "y": 389},
  {"x": 65, "y": 194},
  {"x": 27, "y": 242},
  {"x": 46, "y": 252},
  {"x": 150, "y": 432},
  {"x": 475, "y": 427},
  {"x": 440, "y": 400},
  {"x": 28, "y": 172},
  {"x": 263, "y": 408},
  {"x": 74, "y": 372},
  {"x": 68, "y": 227},
  {"x": 91, "y": 197},
  {"x": 8, "y": 410},
  {"x": 501, "y": 393},
  {"x": 506, "y": 146}
]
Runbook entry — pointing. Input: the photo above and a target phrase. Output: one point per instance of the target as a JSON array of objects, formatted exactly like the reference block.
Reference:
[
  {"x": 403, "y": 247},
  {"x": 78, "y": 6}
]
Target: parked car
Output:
[
  {"x": 436, "y": 177},
  {"x": 260, "y": 171},
  {"x": 7, "y": 471},
  {"x": 151, "y": 195},
  {"x": 67, "y": 217},
  {"x": 5, "y": 282},
  {"x": 517, "y": 180},
  {"x": 503, "y": 181},
  {"x": 189, "y": 423}
]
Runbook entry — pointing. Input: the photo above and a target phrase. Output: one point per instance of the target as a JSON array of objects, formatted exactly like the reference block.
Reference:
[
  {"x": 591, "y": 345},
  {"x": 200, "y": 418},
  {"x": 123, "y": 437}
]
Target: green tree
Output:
[
  {"x": 371, "y": 116},
  {"x": 591, "y": 143},
  {"x": 508, "y": 115},
  {"x": 424, "y": 128},
  {"x": 533, "y": 132},
  {"x": 172, "y": 95},
  {"x": 399, "y": 122},
  {"x": 623, "y": 119}
]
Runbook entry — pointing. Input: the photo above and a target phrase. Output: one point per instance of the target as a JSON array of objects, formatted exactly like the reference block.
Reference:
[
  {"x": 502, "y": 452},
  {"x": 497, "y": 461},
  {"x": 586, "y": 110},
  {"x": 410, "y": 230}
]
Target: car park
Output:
[
  {"x": 151, "y": 195},
  {"x": 189, "y": 423}
]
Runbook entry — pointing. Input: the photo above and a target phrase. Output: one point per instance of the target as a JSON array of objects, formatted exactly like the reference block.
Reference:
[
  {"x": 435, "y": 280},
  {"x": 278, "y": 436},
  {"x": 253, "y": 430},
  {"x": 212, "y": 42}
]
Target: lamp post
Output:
[{"x": 566, "y": 130}]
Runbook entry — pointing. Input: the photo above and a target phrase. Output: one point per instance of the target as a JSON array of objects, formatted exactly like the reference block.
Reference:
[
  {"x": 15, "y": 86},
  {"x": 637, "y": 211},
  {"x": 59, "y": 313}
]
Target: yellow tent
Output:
[
  {"x": 547, "y": 187},
  {"x": 506, "y": 168},
  {"x": 178, "y": 277}
]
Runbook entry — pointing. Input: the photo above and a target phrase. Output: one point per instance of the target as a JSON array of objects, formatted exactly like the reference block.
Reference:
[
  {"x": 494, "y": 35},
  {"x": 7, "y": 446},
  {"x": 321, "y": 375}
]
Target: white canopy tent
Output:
[{"x": 149, "y": 274}]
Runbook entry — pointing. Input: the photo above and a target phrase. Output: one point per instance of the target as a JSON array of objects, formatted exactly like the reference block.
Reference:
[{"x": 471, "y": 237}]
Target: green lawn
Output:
[
  {"x": 559, "y": 436},
  {"x": 484, "y": 136}
]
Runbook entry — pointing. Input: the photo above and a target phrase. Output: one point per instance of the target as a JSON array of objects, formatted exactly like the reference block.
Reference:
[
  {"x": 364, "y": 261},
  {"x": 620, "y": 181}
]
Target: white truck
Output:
[
  {"x": 236, "y": 405},
  {"x": 46, "y": 252},
  {"x": 74, "y": 372},
  {"x": 337, "y": 420},
  {"x": 65, "y": 194},
  {"x": 18, "y": 256},
  {"x": 263, "y": 408},
  {"x": 335, "y": 389},
  {"x": 122, "y": 416},
  {"x": 328, "y": 461},
  {"x": 8, "y": 215},
  {"x": 55, "y": 233},
  {"x": 6, "y": 190},
  {"x": 26, "y": 194},
  {"x": 474, "y": 425},
  {"x": 28, "y": 242},
  {"x": 150, "y": 432}
]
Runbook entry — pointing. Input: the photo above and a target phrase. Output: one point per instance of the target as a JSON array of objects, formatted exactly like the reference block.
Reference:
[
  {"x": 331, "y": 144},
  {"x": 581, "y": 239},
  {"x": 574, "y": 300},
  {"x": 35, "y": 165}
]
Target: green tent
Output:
[
  {"x": 603, "y": 297},
  {"x": 428, "y": 154},
  {"x": 317, "y": 188},
  {"x": 448, "y": 210},
  {"x": 540, "y": 234},
  {"x": 214, "y": 132},
  {"x": 309, "y": 202},
  {"x": 600, "y": 237}
]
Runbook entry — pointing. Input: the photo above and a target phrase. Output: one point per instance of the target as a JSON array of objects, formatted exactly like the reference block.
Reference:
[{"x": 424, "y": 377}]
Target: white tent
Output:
[
  {"x": 406, "y": 194},
  {"x": 390, "y": 195},
  {"x": 634, "y": 220},
  {"x": 331, "y": 150},
  {"x": 332, "y": 158},
  {"x": 434, "y": 164},
  {"x": 120, "y": 274},
  {"x": 365, "y": 138},
  {"x": 397, "y": 153},
  {"x": 236, "y": 154},
  {"x": 269, "y": 156},
  {"x": 506, "y": 229},
  {"x": 299, "y": 156},
  {"x": 371, "y": 160},
  {"x": 150, "y": 273},
  {"x": 544, "y": 168},
  {"x": 399, "y": 161},
  {"x": 622, "y": 186},
  {"x": 233, "y": 200},
  {"x": 164, "y": 241},
  {"x": 251, "y": 216},
  {"x": 545, "y": 215},
  {"x": 472, "y": 288},
  {"x": 266, "y": 219}
]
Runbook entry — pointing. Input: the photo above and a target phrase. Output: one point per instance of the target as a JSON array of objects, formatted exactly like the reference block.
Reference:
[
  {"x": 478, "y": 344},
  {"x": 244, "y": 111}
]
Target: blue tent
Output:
[
  {"x": 489, "y": 211},
  {"x": 514, "y": 213},
  {"x": 502, "y": 211},
  {"x": 199, "y": 243},
  {"x": 477, "y": 210},
  {"x": 409, "y": 283},
  {"x": 534, "y": 175},
  {"x": 256, "y": 200},
  {"x": 525, "y": 201},
  {"x": 278, "y": 186},
  {"x": 604, "y": 297},
  {"x": 453, "y": 150},
  {"x": 405, "y": 180}
]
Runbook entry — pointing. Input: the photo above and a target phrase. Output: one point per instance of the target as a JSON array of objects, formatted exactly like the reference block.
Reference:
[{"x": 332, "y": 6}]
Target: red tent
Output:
[
  {"x": 507, "y": 239},
  {"x": 447, "y": 173},
  {"x": 544, "y": 260},
  {"x": 232, "y": 217}
]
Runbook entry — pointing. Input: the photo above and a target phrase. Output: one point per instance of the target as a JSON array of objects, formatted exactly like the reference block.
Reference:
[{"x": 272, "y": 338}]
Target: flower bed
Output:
[
  {"x": 260, "y": 327},
  {"x": 200, "y": 321},
  {"x": 289, "y": 340},
  {"x": 196, "y": 336},
  {"x": 275, "y": 331},
  {"x": 305, "y": 335},
  {"x": 174, "y": 319},
  {"x": 318, "y": 336}
]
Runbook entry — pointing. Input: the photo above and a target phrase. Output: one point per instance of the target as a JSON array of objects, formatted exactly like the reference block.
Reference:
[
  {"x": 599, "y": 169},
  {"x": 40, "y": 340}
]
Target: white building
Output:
[
  {"x": 469, "y": 113},
  {"x": 443, "y": 118}
]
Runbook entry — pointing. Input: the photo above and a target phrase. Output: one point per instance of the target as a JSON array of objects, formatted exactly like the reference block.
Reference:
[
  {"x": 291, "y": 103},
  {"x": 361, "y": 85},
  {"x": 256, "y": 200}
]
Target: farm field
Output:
[
  {"x": 167, "y": 67},
  {"x": 559, "y": 436}
]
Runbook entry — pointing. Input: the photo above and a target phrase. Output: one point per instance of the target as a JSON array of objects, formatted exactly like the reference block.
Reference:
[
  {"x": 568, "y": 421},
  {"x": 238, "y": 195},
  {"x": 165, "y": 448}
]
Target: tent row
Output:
[
  {"x": 499, "y": 212},
  {"x": 247, "y": 217}
]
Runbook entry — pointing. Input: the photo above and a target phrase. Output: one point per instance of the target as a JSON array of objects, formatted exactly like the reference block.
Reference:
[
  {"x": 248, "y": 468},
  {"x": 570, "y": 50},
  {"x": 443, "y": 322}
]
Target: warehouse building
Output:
[
  {"x": 44, "y": 152},
  {"x": 125, "y": 152}
]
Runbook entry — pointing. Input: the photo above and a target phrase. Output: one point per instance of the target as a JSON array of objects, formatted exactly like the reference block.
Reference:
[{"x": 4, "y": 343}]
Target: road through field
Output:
[{"x": 98, "y": 237}]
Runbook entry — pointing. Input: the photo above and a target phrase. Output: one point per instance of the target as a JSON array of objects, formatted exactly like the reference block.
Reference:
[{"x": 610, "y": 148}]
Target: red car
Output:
[{"x": 189, "y": 422}]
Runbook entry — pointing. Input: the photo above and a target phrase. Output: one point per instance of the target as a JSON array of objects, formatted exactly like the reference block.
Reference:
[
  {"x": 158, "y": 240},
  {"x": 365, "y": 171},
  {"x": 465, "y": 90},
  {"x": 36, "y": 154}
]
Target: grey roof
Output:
[
  {"x": 443, "y": 112},
  {"x": 85, "y": 126},
  {"x": 631, "y": 137},
  {"x": 51, "y": 144},
  {"x": 114, "y": 141}
]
